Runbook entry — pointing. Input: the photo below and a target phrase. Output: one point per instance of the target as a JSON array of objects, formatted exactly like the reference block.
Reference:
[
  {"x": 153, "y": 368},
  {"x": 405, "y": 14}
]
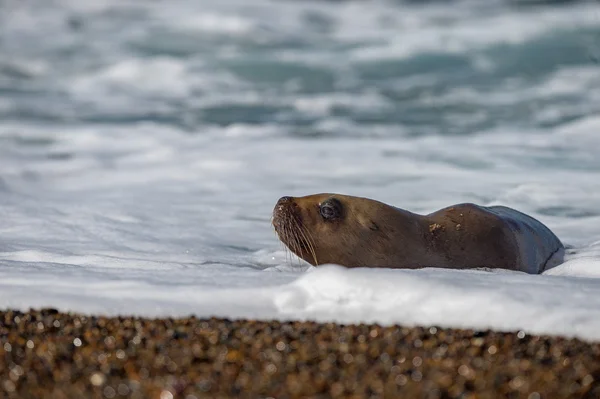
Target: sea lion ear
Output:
[{"x": 368, "y": 223}]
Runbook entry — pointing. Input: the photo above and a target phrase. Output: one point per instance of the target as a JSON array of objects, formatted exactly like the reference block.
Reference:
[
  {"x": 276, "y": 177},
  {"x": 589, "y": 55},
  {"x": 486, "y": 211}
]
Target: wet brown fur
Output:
[{"x": 373, "y": 234}]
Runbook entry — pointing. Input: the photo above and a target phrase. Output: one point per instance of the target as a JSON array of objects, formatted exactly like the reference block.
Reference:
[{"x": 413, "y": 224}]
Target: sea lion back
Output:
[{"x": 538, "y": 248}]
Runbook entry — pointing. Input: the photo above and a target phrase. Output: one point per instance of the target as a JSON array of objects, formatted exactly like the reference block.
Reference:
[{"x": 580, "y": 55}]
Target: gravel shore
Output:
[{"x": 47, "y": 354}]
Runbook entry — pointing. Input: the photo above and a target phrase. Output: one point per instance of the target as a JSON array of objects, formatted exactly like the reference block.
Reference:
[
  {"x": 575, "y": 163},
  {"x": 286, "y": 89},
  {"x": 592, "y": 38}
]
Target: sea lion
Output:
[{"x": 361, "y": 232}]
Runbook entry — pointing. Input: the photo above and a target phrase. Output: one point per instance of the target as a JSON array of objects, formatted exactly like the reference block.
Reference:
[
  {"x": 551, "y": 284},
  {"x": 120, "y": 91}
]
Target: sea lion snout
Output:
[
  {"x": 285, "y": 200},
  {"x": 284, "y": 212},
  {"x": 287, "y": 221},
  {"x": 283, "y": 207}
]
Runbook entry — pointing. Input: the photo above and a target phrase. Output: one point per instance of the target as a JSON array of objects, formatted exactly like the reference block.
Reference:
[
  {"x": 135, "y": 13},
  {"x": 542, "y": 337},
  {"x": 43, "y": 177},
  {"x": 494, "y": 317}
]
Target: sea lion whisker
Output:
[
  {"x": 305, "y": 239},
  {"x": 300, "y": 236},
  {"x": 309, "y": 242},
  {"x": 297, "y": 241},
  {"x": 289, "y": 241},
  {"x": 302, "y": 241},
  {"x": 289, "y": 237}
]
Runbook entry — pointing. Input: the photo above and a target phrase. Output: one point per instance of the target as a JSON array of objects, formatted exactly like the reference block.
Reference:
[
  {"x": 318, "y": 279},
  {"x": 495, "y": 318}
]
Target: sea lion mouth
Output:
[{"x": 287, "y": 221}]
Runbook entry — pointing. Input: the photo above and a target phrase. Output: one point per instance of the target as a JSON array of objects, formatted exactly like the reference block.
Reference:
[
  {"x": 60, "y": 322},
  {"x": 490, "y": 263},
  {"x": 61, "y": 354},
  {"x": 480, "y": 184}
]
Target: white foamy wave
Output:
[
  {"x": 469, "y": 299},
  {"x": 579, "y": 267}
]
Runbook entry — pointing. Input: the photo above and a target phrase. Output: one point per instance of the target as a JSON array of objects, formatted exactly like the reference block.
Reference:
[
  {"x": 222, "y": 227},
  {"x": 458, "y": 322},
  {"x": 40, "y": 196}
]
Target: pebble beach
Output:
[{"x": 45, "y": 353}]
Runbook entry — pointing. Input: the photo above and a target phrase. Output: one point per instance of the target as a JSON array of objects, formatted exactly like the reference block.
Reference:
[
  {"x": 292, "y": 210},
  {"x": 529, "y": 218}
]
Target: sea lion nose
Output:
[
  {"x": 284, "y": 205},
  {"x": 284, "y": 200}
]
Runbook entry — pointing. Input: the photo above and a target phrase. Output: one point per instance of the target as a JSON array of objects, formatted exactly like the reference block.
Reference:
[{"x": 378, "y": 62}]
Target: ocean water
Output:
[{"x": 143, "y": 145}]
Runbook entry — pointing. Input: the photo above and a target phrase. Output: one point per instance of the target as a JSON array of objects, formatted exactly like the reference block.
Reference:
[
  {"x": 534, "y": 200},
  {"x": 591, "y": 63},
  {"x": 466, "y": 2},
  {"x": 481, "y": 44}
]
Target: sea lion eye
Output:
[{"x": 330, "y": 209}]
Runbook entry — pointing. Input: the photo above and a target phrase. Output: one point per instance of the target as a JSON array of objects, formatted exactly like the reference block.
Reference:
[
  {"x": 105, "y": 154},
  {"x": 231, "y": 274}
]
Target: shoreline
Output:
[{"x": 46, "y": 353}]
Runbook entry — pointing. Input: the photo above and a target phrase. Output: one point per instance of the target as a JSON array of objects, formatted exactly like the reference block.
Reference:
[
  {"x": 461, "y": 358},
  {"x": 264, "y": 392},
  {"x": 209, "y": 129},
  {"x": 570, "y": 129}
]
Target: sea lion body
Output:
[{"x": 361, "y": 232}]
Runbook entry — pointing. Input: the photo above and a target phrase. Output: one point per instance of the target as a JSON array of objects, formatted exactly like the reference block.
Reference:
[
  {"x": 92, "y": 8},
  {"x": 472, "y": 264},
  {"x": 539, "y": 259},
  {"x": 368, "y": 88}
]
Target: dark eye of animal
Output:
[{"x": 331, "y": 209}]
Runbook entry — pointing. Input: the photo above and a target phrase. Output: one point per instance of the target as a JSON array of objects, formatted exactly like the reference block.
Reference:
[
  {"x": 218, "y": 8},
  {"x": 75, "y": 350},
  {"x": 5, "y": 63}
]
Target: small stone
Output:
[
  {"x": 234, "y": 356},
  {"x": 109, "y": 392},
  {"x": 401, "y": 380},
  {"x": 416, "y": 376},
  {"x": 166, "y": 395},
  {"x": 337, "y": 389},
  {"x": 587, "y": 380},
  {"x": 280, "y": 346},
  {"x": 17, "y": 370},
  {"x": 464, "y": 370},
  {"x": 271, "y": 368},
  {"x": 123, "y": 390},
  {"x": 97, "y": 379},
  {"x": 517, "y": 383},
  {"x": 9, "y": 386},
  {"x": 204, "y": 385}
]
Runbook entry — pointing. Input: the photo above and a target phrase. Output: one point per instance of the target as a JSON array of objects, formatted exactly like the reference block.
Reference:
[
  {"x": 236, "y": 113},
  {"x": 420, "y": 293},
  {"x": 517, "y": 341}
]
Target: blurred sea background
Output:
[{"x": 144, "y": 143}]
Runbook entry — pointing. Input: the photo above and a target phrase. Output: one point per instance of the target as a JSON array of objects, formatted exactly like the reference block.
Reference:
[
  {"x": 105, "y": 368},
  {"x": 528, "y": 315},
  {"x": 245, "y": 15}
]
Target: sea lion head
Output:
[{"x": 334, "y": 228}]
